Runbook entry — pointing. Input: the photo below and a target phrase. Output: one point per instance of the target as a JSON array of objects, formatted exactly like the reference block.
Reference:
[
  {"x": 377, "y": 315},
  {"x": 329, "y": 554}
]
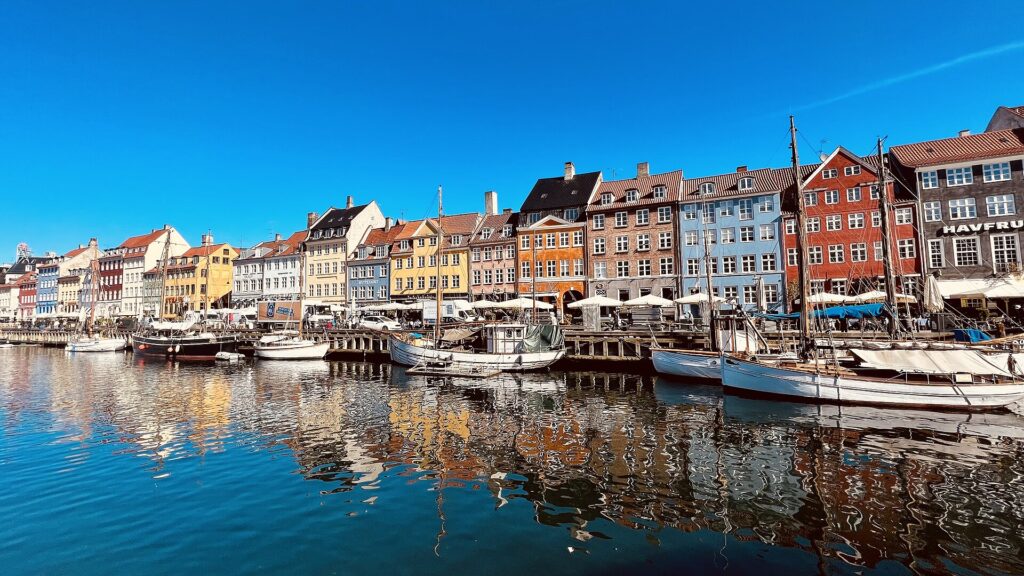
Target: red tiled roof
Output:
[
  {"x": 960, "y": 148},
  {"x": 726, "y": 185},
  {"x": 644, "y": 185},
  {"x": 206, "y": 250},
  {"x": 379, "y": 236},
  {"x": 76, "y": 252},
  {"x": 142, "y": 240},
  {"x": 495, "y": 222}
]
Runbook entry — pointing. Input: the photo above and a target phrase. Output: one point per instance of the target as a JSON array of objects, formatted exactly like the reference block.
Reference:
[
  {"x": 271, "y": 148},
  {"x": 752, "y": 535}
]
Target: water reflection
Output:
[{"x": 598, "y": 456}]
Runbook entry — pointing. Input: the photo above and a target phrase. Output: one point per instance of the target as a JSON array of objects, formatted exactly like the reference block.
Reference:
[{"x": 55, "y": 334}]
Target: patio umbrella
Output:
[
  {"x": 481, "y": 304},
  {"x": 879, "y": 296},
  {"x": 698, "y": 298},
  {"x": 523, "y": 303},
  {"x": 762, "y": 298},
  {"x": 932, "y": 295},
  {"x": 596, "y": 301},
  {"x": 649, "y": 300}
]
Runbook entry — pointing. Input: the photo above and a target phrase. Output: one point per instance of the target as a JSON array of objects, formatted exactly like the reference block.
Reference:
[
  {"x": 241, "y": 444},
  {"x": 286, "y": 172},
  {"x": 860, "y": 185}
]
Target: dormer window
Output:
[
  {"x": 746, "y": 183},
  {"x": 317, "y": 234},
  {"x": 632, "y": 195},
  {"x": 571, "y": 214},
  {"x": 506, "y": 230},
  {"x": 486, "y": 233},
  {"x": 660, "y": 192},
  {"x": 707, "y": 188},
  {"x": 404, "y": 245},
  {"x": 330, "y": 232},
  {"x": 457, "y": 240},
  {"x": 607, "y": 198}
]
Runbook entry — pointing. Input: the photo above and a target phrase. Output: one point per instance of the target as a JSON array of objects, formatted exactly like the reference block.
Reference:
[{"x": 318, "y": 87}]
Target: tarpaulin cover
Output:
[
  {"x": 930, "y": 361},
  {"x": 836, "y": 312},
  {"x": 543, "y": 337},
  {"x": 970, "y": 335}
]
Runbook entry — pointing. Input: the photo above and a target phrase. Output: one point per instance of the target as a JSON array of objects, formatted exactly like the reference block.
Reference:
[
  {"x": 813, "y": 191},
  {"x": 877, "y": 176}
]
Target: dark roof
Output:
[
  {"x": 960, "y": 148},
  {"x": 555, "y": 193},
  {"x": 20, "y": 266},
  {"x": 644, "y": 185},
  {"x": 338, "y": 218}
]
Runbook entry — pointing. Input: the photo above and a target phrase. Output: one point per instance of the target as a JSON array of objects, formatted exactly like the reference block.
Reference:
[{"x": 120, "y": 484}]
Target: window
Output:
[
  {"x": 728, "y": 235},
  {"x": 906, "y": 248},
  {"x": 838, "y": 286},
  {"x": 745, "y": 183},
  {"x": 767, "y": 206},
  {"x": 1001, "y": 205},
  {"x": 550, "y": 240},
  {"x": 959, "y": 176},
  {"x": 506, "y": 231},
  {"x": 746, "y": 233},
  {"x": 525, "y": 272},
  {"x": 836, "y": 253},
  {"x": 707, "y": 188},
  {"x": 833, "y": 222},
  {"x": 524, "y": 242},
  {"x": 664, "y": 240},
  {"x": 643, "y": 268},
  {"x": 768, "y": 262},
  {"x": 484, "y": 234},
  {"x": 563, "y": 268},
  {"x": 996, "y": 172},
  {"x": 643, "y": 217},
  {"x": 853, "y": 194},
  {"x": 476, "y": 277},
  {"x": 659, "y": 192},
  {"x": 859, "y": 252},
  {"x": 936, "y": 257},
  {"x": 692, "y": 266},
  {"x": 622, "y": 268},
  {"x": 874, "y": 192},
  {"x": 767, "y": 232},
  {"x": 711, "y": 236},
  {"x": 632, "y": 195},
  {"x": 571, "y": 214},
  {"x": 664, "y": 214},
  {"x": 607, "y": 198},
  {"x": 851, "y": 170},
  {"x": 708, "y": 214},
  {"x": 962, "y": 209},
  {"x": 929, "y": 179},
  {"x": 728, "y": 264},
  {"x": 725, "y": 208},
  {"x": 746, "y": 209},
  {"x": 690, "y": 238},
  {"x": 690, "y": 212},
  {"x": 791, "y": 257},
  {"x": 810, "y": 198},
  {"x": 563, "y": 239},
  {"x": 855, "y": 221},
  {"x": 577, "y": 267},
  {"x": 577, "y": 239},
  {"x": 965, "y": 252},
  {"x": 829, "y": 173},
  {"x": 599, "y": 246},
  {"x": 598, "y": 222},
  {"x": 749, "y": 294},
  {"x": 877, "y": 250},
  {"x": 487, "y": 256},
  {"x": 552, "y": 268},
  {"x": 832, "y": 197},
  {"x": 457, "y": 239},
  {"x": 790, "y": 226},
  {"x": 643, "y": 242},
  {"x": 621, "y": 219},
  {"x": 1005, "y": 254},
  {"x": 533, "y": 218},
  {"x": 814, "y": 255},
  {"x": 730, "y": 292},
  {"x": 771, "y": 293},
  {"x": 621, "y": 243},
  {"x": 474, "y": 255},
  {"x": 666, "y": 266},
  {"x": 904, "y": 216},
  {"x": 600, "y": 269},
  {"x": 812, "y": 224}
]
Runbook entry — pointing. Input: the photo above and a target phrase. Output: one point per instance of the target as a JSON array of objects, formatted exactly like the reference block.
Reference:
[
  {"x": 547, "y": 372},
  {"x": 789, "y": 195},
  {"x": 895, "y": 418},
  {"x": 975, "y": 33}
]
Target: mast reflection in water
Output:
[{"x": 111, "y": 463}]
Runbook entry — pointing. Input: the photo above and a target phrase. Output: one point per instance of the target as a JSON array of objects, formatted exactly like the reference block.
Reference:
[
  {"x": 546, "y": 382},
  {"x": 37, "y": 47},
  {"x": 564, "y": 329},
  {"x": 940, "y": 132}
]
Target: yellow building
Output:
[
  {"x": 330, "y": 242},
  {"x": 201, "y": 278},
  {"x": 415, "y": 252},
  {"x": 69, "y": 292}
]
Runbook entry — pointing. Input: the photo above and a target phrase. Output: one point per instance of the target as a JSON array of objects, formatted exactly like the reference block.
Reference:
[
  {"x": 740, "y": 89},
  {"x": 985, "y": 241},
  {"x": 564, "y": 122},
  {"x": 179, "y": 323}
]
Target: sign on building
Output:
[{"x": 279, "y": 311}]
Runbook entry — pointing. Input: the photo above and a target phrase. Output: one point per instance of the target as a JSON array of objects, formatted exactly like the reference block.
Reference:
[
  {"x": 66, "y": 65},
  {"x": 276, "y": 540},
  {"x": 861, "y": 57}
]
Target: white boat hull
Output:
[
  {"x": 760, "y": 378},
  {"x": 411, "y": 355},
  {"x": 296, "y": 350},
  {"x": 97, "y": 345},
  {"x": 687, "y": 364}
]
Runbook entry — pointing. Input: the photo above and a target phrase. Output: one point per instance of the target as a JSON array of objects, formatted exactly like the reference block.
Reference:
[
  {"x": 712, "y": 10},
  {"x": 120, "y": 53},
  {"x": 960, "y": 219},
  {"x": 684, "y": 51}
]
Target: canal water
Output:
[{"x": 114, "y": 464}]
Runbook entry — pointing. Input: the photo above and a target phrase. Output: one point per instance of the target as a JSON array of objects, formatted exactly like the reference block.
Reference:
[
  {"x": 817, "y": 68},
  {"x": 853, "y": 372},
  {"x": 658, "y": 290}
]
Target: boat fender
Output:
[{"x": 170, "y": 349}]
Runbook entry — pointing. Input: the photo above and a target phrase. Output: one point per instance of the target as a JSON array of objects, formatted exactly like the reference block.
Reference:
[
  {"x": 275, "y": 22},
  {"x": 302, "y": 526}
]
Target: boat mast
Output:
[
  {"x": 713, "y": 342},
  {"x": 890, "y": 276},
  {"x": 437, "y": 285},
  {"x": 302, "y": 273},
  {"x": 94, "y": 288},
  {"x": 163, "y": 275},
  {"x": 806, "y": 308},
  {"x": 206, "y": 290}
]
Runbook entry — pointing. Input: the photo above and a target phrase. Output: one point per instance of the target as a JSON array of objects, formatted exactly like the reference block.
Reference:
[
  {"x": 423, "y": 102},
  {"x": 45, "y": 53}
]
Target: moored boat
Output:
[
  {"x": 290, "y": 347},
  {"x": 702, "y": 364},
  {"x": 96, "y": 344},
  {"x": 181, "y": 341},
  {"x": 504, "y": 347}
]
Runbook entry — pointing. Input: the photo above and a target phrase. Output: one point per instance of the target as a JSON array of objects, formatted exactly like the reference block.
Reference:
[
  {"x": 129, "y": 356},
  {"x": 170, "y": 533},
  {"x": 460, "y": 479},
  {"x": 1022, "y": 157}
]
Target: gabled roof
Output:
[
  {"x": 76, "y": 252},
  {"x": 548, "y": 221},
  {"x": 26, "y": 278},
  {"x": 338, "y": 218},
  {"x": 555, "y": 193},
  {"x": 841, "y": 151},
  {"x": 143, "y": 240},
  {"x": 766, "y": 180},
  {"x": 378, "y": 236},
  {"x": 960, "y": 148},
  {"x": 495, "y": 222},
  {"x": 644, "y": 185},
  {"x": 203, "y": 251},
  {"x": 22, "y": 264}
]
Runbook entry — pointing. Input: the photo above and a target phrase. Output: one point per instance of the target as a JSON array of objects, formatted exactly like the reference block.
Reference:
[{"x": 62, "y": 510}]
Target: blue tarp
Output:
[
  {"x": 837, "y": 312},
  {"x": 970, "y": 335}
]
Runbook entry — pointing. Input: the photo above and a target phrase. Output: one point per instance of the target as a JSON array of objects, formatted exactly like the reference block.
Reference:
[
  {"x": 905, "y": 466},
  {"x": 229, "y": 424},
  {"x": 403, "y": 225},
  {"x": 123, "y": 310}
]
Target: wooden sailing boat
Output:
[
  {"x": 85, "y": 340},
  {"x": 959, "y": 379},
  {"x": 506, "y": 346},
  {"x": 288, "y": 344}
]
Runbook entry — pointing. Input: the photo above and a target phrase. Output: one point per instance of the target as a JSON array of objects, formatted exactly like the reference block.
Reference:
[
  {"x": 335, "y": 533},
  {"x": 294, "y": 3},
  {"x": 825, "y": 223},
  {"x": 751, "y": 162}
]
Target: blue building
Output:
[
  {"x": 741, "y": 214},
  {"x": 369, "y": 279},
  {"x": 46, "y": 286}
]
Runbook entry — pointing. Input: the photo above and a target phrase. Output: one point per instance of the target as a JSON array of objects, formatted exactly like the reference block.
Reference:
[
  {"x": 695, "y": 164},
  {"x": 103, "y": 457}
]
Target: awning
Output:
[
  {"x": 929, "y": 361},
  {"x": 982, "y": 288}
]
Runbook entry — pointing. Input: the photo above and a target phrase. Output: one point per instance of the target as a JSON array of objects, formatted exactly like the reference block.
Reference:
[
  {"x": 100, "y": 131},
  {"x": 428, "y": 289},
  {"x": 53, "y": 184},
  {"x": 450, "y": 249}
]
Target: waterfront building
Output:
[
  {"x": 968, "y": 190},
  {"x": 415, "y": 253},
  {"x": 152, "y": 285},
  {"x": 492, "y": 253},
  {"x": 50, "y": 272},
  {"x": 139, "y": 254},
  {"x": 740, "y": 212},
  {"x": 1006, "y": 118},
  {"x": 9, "y": 301},
  {"x": 282, "y": 268},
  {"x": 26, "y": 285},
  {"x": 330, "y": 242},
  {"x": 843, "y": 220},
  {"x": 551, "y": 237},
  {"x": 199, "y": 279},
  {"x": 69, "y": 292},
  {"x": 631, "y": 231},
  {"x": 110, "y": 269},
  {"x": 23, "y": 265},
  {"x": 370, "y": 269}
]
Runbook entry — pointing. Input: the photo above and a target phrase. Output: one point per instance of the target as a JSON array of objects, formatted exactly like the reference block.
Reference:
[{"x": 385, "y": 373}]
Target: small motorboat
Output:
[
  {"x": 290, "y": 345},
  {"x": 229, "y": 356},
  {"x": 91, "y": 344}
]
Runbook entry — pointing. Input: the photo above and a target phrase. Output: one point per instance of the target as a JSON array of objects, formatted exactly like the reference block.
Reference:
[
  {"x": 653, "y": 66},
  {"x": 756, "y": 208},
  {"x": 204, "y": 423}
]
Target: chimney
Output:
[
  {"x": 348, "y": 201},
  {"x": 741, "y": 169},
  {"x": 207, "y": 239},
  {"x": 277, "y": 237},
  {"x": 388, "y": 223},
  {"x": 80, "y": 246},
  {"x": 506, "y": 211},
  {"x": 643, "y": 170},
  {"x": 311, "y": 218},
  {"x": 490, "y": 203},
  {"x": 167, "y": 226},
  {"x": 570, "y": 170},
  {"x": 963, "y": 133},
  {"x": 92, "y": 242}
]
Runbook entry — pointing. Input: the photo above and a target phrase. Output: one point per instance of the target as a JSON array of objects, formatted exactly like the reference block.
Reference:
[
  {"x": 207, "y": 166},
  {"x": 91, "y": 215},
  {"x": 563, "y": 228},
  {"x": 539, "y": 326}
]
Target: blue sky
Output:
[{"x": 117, "y": 117}]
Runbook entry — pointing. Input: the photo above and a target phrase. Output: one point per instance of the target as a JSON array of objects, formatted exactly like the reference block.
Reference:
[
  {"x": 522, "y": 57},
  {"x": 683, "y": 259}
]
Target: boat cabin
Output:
[{"x": 504, "y": 338}]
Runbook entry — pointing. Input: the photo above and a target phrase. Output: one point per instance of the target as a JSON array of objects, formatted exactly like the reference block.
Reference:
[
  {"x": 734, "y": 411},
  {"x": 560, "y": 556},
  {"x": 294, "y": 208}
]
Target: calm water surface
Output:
[{"x": 109, "y": 464}]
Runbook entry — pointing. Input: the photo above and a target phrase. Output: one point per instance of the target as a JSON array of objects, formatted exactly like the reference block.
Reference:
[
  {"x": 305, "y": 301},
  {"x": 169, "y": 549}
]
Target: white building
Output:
[
  {"x": 142, "y": 253},
  {"x": 8, "y": 302},
  {"x": 269, "y": 271}
]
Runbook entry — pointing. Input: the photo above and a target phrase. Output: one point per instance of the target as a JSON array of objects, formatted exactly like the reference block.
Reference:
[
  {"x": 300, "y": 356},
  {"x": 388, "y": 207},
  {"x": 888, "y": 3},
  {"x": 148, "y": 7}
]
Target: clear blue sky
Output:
[{"x": 120, "y": 116}]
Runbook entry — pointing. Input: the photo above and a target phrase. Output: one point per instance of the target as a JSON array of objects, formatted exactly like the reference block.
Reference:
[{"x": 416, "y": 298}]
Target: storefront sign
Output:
[
  {"x": 278, "y": 311},
  {"x": 968, "y": 228}
]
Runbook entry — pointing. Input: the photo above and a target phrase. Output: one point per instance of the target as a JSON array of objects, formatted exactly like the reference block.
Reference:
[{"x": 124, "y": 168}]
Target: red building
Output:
[
  {"x": 26, "y": 296},
  {"x": 111, "y": 280},
  {"x": 844, "y": 229}
]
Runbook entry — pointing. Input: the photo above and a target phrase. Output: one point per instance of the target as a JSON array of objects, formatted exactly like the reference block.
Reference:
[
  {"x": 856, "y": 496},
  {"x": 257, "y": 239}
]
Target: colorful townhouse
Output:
[
  {"x": 551, "y": 237},
  {"x": 370, "y": 269},
  {"x": 152, "y": 287},
  {"x": 26, "y": 284},
  {"x": 199, "y": 279},
  {"x": 111, "y": 275},
  {"x": 843, "y": 220},
  {"x": 23, "y": 265},
  {"x": 330, "y": 243},
  {"x": 415, "y": 255},
  {"x": 50, "y": 271},
  {"x": 492, "y": 253},
  {"x": 9, "y": 301},
  {"x": 631, "y": 228},
  {"x": 282, "y": 268},
  {"x": 139, "y": 254},
  {"x": 736, "y": 219},
  {"x": 69, "y": 292},
  {"x": 969, "y": 189}
]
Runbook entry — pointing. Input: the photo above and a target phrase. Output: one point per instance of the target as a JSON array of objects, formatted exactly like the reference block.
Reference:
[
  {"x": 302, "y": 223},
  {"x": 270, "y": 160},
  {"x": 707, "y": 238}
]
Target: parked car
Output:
[{"x": 378, "y": 323}]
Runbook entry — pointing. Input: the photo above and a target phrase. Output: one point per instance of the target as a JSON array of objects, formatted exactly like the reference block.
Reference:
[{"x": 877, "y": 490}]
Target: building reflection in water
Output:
[{"x": 589, "y": 452}]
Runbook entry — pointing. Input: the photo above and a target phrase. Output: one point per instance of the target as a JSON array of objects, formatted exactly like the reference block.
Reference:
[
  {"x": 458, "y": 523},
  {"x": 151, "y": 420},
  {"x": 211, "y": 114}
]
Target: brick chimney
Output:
[
  {"x": 506, "y": 211},
  {"x": 490, "y": 203},
  {"x": 311, "y": 218},
  {"x": 348, "y": 202},
  {"x": 388, "y": 223},
  {"x": 277, "y": 237},
  {"x": 643, "y": 170},
  {"x": 741, "y": 169},
  {"x": 963, "y": 133},
  {"x": 570, "y": 170}
]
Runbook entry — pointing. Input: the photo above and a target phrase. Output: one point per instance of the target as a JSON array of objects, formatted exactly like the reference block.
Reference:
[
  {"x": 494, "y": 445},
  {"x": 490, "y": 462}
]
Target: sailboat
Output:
[
  {"x": 289, "y": 344},
  {"x": 87, "y": 342},
  {"x": 954, "y": 379},
  {"x": 505, "y": 346}
]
